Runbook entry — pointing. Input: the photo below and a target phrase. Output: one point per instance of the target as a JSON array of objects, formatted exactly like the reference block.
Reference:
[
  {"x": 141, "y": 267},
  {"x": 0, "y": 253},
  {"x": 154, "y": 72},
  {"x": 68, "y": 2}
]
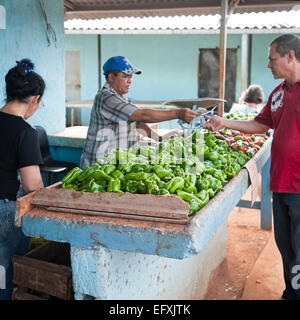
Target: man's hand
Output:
[
  {"x": 214, "y": 123},
  {"x": 186, "y": 114}
]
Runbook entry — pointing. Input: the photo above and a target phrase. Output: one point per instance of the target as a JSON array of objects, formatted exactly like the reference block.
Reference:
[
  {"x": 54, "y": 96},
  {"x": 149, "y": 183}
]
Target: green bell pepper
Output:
[
  {"x": 131, "y": 186},
  {"x": 187, "y": 164},
  {"x": 189, "y": 183},
  {"x": 176, "y": 183},
  {"x": 212, "y": 181},
  {"x": 117, "y": 174},
  {"x": 211, "y": 155},
  {"x": 109, "y": 168},
  {"x": 84, "y": 185},
  {"x": 178, "y": 172},
  {"x": 162, "y": 172},
  {"x": 70, "y": 186},
  {"x": 71, "y": 175},
  {"x": 203, "y": 195},
  {"x": 199, "y": 167},
  {"x": 125, "y": 167},
  {"x": 152, "y": 187},
  {"x": 95, "y": 187},
  {"x": 218, "y": 164},
  {"x": 210, "y": 140},
  {"x": 96, "y": 165},
  {"x": 190, "y": 188},
  {"x": 194, "y": 202},
  {"x": 101, "y": 175},
  {"x": 86, "y": 173},
  {"x": 137, "y": 176},
  {"x": 142, "y": 187},
  {"x": 230, "y": 171},
  {"x": 114, "y": 186},
  {"x": 152, "y": 176},
  {"x": 236, "y": 167},
  {"x": 220, "y": 175},
  {"x": 202, "y": 184},
  {"x": 168, "y": 178},
  {"x": 161, "y": 184},
  {"x": 140, "y": 167},
  {"x": 211, "y": 193},
  {"x": 191, "y": 179},
  {"x": 163, "y": 192},
  {"x": 217, "y": 173}
]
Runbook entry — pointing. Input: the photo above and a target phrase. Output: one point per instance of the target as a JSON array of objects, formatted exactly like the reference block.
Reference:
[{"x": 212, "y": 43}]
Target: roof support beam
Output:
[
  {"x": 222, "y": 55},
  {"x": 244, "y": 61},
  {"x": 69, "y": 5},
  {"x": 144, "y": 5},
  {"x": 234, "y": 31}
]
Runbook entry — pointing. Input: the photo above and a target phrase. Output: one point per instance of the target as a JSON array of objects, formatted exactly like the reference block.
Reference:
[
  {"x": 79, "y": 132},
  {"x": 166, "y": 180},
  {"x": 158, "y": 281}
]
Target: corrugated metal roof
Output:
[
  {"x": 99, "y": 9},
  {"x": 253, "y": 20}
]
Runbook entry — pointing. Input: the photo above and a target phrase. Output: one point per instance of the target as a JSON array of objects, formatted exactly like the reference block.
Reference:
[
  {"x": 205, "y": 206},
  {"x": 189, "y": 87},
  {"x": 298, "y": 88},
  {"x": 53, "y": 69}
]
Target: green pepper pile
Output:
[
  {"x": 237, "y": 115},
  {"x": 193, "y": 168}
]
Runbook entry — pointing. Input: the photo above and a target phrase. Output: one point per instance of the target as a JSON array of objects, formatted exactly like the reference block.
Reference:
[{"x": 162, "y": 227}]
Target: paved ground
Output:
[{"x": 252, "y": 269}]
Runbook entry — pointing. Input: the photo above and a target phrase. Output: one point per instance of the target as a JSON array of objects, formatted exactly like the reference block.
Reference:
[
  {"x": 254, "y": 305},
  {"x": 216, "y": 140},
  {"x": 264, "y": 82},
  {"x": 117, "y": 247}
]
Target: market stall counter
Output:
[{"x": 123, "y": 257}]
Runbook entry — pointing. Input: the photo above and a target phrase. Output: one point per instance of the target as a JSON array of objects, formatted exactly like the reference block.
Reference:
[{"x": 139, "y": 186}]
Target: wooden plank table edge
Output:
[{"x": 24, "y": 205}]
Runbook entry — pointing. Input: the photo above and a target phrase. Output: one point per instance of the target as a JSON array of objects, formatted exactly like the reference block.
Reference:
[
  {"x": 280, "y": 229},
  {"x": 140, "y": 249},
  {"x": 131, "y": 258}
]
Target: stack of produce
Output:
[
  {"x": 240, "y": 115},
  {"x": 193, "y": 168},
  {"x": 248, "y": 143}
]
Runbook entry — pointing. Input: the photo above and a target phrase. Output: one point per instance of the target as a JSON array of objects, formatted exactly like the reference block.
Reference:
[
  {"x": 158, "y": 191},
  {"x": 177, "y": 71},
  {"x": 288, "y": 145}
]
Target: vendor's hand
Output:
[
  {"x": 214, "y": 123},
  {"x": 186, "y": 114}
]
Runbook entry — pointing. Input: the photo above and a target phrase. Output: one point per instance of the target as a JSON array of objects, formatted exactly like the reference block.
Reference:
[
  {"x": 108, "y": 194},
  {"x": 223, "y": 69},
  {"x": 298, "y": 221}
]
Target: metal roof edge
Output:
[{"x": 212, "y": 31}]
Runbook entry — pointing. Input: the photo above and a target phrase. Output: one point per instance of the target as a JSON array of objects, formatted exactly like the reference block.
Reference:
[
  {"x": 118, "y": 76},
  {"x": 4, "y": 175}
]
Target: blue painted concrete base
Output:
[{"x": 114, "y": 275}]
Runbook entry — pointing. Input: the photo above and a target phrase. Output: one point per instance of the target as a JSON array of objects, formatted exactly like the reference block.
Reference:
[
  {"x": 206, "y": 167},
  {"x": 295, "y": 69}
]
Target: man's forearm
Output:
[
  {"x": 215, "y": 123},
  {"x": 152, "y": 116},
  {"x": 248, "y": 126}
]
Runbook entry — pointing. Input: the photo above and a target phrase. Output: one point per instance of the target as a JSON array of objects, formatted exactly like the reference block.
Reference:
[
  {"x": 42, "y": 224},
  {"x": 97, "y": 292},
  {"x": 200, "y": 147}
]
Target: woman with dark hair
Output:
[
  {"x": 19, "y": 152},
  {"x": 250, "y": 101}
]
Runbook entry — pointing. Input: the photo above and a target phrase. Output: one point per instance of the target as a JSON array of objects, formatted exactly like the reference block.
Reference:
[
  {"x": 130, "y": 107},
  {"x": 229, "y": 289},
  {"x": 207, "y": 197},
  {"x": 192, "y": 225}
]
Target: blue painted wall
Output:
[
  {"x": 169, "y": 62},
  {"x": 169, "y": 71},
  {"x": 25, "y": 37}
]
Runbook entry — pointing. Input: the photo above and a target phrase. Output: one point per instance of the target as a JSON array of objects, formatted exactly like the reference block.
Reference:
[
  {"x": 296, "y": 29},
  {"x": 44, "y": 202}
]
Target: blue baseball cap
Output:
[{"x": 120, "y": 63}]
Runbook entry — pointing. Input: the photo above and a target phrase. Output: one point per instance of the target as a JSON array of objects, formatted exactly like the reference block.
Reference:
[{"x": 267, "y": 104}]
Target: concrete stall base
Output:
[{"x": 117, "y": 275}]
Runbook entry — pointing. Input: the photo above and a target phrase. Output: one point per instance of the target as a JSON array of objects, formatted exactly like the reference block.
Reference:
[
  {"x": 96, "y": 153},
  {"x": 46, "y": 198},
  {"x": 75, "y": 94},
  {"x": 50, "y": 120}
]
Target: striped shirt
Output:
[{"x": 109, "y": 126}]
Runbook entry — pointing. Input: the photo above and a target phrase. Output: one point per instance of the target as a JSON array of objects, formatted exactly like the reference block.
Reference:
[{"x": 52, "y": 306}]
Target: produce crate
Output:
[{"x": 43, "y": 273}]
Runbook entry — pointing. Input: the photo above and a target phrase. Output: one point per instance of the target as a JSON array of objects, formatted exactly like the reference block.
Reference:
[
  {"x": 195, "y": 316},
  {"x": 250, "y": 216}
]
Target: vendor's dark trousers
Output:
[{"x": 286, "y": 212}]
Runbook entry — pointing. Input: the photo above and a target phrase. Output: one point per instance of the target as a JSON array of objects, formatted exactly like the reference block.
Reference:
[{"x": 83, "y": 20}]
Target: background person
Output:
[
  {"x": 251, "y": 100},
  {"x": 114, "y": 119},
  {"x": 281, "y": 113},
  {"x": 19, "y": 151}
]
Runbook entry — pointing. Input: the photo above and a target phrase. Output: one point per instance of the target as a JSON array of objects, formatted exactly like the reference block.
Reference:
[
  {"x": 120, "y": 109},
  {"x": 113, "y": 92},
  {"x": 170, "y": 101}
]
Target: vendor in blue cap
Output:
[{"x": 114, "y": 119}]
